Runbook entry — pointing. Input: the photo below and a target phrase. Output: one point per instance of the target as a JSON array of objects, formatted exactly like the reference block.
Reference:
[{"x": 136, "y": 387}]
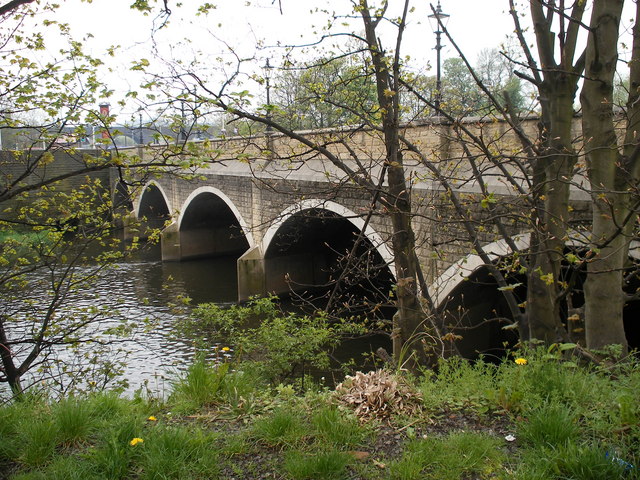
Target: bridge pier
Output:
[
  {"x": 179, "y": 244},
  {"x": 130, "y": 226},
  {"x": 170, "y": 244},
  {"x": 251, "y": 275},
  {"x": 259, "y": 276}
]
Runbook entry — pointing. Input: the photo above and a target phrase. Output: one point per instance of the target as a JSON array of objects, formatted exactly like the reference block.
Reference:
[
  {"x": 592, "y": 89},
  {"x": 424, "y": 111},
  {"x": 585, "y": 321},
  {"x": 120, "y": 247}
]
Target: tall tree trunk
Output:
[
  {"x": 552, "y": 218},
  {"x": 604, "y": 297},
  {"x": 11, "y": 372},
  {"x": 553, "y": 170},
  {"x": 410, "y": 320}
]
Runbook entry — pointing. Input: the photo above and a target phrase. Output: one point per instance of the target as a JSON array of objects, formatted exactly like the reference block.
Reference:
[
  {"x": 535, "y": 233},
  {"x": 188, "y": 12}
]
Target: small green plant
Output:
[
  {"x": 282, "y": 344},
  {"x": 459, "y": 455},
  {"x": 200, "y": 386},
  {"x": 318, "y": 465},
  {"x": 336, "y": 428},
  {"x": 282, "y": 427},
  {"x": 552, "y": 425}
]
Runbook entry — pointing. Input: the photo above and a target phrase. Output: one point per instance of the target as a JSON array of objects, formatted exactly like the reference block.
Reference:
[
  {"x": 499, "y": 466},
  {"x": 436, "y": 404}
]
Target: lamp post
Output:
[
  {"x": 438, "y": 20},
  {"x": 267, "y": 78},
  {"x": 140, "y": 137}
]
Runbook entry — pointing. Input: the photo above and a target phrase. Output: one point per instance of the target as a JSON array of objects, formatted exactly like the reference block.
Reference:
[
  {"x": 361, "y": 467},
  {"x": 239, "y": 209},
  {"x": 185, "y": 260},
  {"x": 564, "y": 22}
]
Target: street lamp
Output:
[
  {"x": 438, "y": 20},
  {"x": 140, "y": 137},
  {"x": 267, "y": 78}
]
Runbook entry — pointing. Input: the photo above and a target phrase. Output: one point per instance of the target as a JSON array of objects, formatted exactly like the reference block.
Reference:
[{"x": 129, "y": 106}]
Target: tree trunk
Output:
[
  {"x": 409, "y": 322},
  {"x": 11, "y": 373},
  {"x": 551, "y": 226},
  {"x": 604, "y": 297},
  {"x": 553, "y": 168}
]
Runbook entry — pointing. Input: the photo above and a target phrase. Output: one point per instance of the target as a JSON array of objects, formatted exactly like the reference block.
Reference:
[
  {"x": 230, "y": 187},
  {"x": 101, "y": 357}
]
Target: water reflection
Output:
[
  {"x": 144, "y": 289},
  {"x": 151, "y": 288}
]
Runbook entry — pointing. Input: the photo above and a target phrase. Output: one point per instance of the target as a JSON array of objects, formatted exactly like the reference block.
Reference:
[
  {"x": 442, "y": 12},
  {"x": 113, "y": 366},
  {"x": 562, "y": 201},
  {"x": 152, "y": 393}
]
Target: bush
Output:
[{"x": 283, "y": 344}]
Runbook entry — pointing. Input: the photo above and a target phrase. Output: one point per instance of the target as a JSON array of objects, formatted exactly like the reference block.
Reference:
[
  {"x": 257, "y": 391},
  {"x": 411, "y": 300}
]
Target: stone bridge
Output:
[{"x": 289, "y": 215}]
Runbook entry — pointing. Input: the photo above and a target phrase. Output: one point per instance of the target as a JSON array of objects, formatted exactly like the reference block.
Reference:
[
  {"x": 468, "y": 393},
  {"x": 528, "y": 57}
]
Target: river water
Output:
[
  {"x": 143, "y": 289},
  {"x": 147, "y": 288}
]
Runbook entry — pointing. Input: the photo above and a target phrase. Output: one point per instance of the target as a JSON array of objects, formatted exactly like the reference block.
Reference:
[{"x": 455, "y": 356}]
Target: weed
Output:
[
  {"x": 282, "y": 427},
  {"x": 337, "y": 429},
  {"x": 317, "y": 466},
  {"x": 552, "y": 425}
]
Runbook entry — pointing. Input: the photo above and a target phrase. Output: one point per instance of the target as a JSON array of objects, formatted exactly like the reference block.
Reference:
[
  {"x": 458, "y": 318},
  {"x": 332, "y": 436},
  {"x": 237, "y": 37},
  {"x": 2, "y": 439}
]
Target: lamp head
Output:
[{"x": 438, "y": 18}]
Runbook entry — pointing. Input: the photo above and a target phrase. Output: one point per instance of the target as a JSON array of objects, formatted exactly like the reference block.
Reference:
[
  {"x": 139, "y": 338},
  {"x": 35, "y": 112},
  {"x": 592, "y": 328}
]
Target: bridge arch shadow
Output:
[
  {"x": 469, "y": 297},
  {"x": 309, "y": 253},
  {"x": 210, "y": 225},
  {"x": 152, "y": 209}
]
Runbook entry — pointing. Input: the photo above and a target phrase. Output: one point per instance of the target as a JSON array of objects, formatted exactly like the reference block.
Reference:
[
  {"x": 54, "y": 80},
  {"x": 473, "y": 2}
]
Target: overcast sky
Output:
[{"x": 243, "y": 24}]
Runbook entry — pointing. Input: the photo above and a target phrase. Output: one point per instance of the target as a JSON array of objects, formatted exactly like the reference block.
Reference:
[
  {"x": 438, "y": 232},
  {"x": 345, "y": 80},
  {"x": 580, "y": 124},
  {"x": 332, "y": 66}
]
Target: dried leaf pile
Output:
[{"x": 378, "y": 394}]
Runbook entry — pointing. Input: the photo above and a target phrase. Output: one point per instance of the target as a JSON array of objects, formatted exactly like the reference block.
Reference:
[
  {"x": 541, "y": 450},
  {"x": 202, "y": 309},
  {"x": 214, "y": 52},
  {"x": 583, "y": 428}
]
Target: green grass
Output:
[
  {"x": 456, "y": 456},
  {"x": 569, "y": 422},
  {"x": 317, "y": 465},
  {"x": 178, "y": 453},
  {"x": 283, "y": 427},
  {"x": 553, "y": 425},
  {"x": 339, "y": 429},
  {"x": 200, "y": 387},
  {"x": 73, "y": 420}
]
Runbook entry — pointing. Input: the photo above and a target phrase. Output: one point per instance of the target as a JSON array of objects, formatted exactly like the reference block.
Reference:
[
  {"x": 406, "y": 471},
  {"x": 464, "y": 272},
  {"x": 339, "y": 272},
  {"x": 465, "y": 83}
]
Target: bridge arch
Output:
[
  {"x": 198, "y": 192},
  {"x": 208, "y": 225},
  {"x": 343, "y": 212},
  {"x": 468, "y": 295},
  {"x": 153, "y": 208},
  {"x": 466, "y": 266},
  {"x": 311, "y": 251}
]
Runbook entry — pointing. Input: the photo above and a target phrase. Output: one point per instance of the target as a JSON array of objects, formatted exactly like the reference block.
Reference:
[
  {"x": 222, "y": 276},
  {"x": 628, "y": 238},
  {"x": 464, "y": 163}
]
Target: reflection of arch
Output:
[
  {"x": 227, "y": 201},
  {"x": 341, "y": 211},
  {"x": 150, "y": 187}
]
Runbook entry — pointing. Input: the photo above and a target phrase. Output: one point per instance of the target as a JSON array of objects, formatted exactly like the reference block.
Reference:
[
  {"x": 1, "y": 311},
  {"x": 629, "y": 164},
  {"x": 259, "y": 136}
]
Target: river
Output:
[{"x": 144, "y": 288}]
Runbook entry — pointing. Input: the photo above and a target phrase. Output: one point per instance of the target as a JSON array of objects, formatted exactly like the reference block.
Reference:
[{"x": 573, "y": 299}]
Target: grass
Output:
[
  {"x": 567, "y": 422},
  {"x": 458, "y": 455}
]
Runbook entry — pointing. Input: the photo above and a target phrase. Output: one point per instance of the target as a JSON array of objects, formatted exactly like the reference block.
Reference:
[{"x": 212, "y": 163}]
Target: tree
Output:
[
  {"x": 614, "y": 170},
  {"x": 553, "y": 160},
  {"x": 323, "y": 93},
  {"x": 58, "y": 220}
]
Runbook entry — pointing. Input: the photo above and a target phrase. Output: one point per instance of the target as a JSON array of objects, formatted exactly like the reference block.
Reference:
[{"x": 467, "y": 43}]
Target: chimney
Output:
[{"x": 104, "y": 113}]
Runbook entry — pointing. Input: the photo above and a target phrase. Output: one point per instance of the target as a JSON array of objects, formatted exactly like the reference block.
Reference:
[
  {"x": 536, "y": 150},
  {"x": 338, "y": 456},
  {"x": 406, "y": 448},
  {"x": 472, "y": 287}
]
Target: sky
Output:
[{"x": 253, "y": 28}]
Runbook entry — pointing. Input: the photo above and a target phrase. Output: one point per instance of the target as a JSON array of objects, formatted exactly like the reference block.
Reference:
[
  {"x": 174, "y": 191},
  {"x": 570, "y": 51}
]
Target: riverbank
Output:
[{"x": 538, "y": 415}]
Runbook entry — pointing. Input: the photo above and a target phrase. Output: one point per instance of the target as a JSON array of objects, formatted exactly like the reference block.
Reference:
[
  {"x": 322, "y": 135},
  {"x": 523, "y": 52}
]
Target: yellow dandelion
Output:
[
  {"x": 136, "y": 441},
  {"x": 521, "y": 361},
  {"x": 152, "y": 419},
  {"x": 225, "y": 349}
]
